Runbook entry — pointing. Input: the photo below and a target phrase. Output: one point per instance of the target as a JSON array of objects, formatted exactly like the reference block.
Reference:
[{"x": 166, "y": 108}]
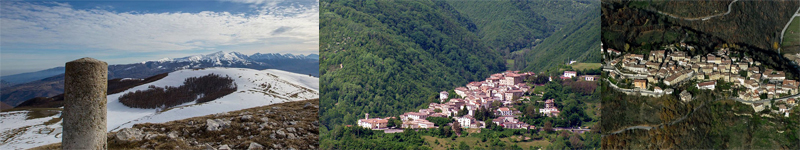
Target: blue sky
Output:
[{"x": 36, "y": 35}]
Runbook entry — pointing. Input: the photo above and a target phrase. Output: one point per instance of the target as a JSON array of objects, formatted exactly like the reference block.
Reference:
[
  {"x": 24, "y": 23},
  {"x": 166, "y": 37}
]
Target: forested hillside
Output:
[
  {"x": 577, "y": 41},
  {"x": 504, "y": 25},
  {"x": 513, "y": 28},
  {"x": 389, "y": 57},
  {"x": 755, "y": 23}
]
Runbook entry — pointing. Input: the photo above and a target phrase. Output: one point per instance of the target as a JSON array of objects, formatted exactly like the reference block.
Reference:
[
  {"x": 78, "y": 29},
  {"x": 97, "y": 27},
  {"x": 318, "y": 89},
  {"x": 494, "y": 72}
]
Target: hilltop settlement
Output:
[
  {"x": 664, "y": 71},
  {"x": 500, "y": 91}
]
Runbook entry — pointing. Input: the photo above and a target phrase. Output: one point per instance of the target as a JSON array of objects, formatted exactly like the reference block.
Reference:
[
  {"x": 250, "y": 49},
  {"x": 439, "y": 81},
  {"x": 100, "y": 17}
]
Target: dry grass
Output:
[
  {"x": 584, "y": 66},
  {"x": 239, "y": 135}
]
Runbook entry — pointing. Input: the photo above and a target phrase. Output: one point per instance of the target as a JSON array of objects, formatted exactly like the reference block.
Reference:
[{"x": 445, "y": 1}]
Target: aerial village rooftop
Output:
[
  {"x": 673, "y": 67},
  {"x": 506, "y": 88}
]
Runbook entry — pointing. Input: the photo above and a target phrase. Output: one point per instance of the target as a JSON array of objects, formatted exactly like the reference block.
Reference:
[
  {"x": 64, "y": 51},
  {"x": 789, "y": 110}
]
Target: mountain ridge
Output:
[{"x": 52, "y": 85}]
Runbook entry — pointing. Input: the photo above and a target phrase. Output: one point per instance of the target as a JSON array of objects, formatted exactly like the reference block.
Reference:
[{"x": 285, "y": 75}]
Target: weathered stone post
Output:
[{"x": 84, "y": 115}]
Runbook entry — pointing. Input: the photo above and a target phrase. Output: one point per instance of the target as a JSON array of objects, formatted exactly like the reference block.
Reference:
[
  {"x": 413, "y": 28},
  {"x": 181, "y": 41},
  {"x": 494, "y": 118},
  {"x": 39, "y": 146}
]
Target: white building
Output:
[
  {"x": 710, "y": 85},
  {"x": 466, "y": 121},
  {"x": 443, "y": 96},
  {"x": 570, "y": 74},
  {"x": 373, "y": 123},
  {"x": 550, "y": 108},
  {"x": 503, "y": 111}
]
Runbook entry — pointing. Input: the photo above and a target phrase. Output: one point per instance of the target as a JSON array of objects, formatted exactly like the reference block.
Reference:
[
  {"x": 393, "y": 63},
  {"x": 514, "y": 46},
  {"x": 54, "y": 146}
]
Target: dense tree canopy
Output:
[{"x": 388, "y": 57}]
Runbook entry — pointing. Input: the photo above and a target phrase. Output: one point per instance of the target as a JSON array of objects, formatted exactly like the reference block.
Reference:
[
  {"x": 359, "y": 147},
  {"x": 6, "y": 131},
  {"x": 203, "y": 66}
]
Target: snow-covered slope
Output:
[
  {"x": 21, "y": 133},
  {"x": 255, "y": 88}
]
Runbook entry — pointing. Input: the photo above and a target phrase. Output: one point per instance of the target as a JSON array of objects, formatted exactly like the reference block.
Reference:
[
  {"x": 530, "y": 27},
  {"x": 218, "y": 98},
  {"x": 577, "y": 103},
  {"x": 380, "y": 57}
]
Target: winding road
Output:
[
  {"x": 796, "y": 14},
  {"x": 796, "y": 96},
  {"x": 644, "y": 127},
  {"x": 700, "y": 18}
]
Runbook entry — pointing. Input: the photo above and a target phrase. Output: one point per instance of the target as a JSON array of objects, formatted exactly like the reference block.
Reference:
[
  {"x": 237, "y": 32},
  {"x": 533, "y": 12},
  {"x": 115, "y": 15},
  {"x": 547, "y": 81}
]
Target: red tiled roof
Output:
[
  {"x": 707, "y": 83},
  {"x": 503, "y": 109}
]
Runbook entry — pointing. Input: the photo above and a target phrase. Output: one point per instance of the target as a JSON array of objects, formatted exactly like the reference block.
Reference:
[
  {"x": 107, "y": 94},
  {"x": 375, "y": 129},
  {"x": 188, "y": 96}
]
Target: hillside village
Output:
[
  {"x": 661, "y": 71},
  {"x": 502, "y": 89}
]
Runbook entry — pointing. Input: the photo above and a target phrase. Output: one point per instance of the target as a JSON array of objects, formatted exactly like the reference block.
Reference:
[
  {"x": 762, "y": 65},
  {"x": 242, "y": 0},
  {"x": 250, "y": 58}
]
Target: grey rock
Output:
[
  {"x": 130, "y": 134},
  {"x": 255, "y": 146},
  {"x": 291, "y": 129},
  {"x": 209, "y": 147},
  {"x": 247, "y": 117},
  {"x": 265, "y": 119},
  {"x": 172, "y": 135},
  {"x": 216, "y": 124},
  {"x": 150, "y": 136},
  {"x": 309, "y": 105},
  {"x": 281, "y": 133},
  {"x": 224, "y": 147}
]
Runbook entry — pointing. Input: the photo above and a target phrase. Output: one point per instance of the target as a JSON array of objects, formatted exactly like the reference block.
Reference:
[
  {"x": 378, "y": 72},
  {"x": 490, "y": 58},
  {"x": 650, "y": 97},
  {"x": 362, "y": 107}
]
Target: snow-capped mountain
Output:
[
  {"x": 235, "y": 57},
  {"x": 255, "y": 88},
  {"x": 302, "y": 64}
]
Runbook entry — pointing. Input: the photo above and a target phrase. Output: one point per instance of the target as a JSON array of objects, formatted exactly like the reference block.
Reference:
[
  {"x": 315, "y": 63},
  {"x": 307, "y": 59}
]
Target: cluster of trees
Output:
[
  {"x": 362, "y": 138},
  {"x": 440, "y": 121},
  {"x": 200, "y": 89},
  {"x": 570, "y": 98},
  {"x": 583, "y": 87}
]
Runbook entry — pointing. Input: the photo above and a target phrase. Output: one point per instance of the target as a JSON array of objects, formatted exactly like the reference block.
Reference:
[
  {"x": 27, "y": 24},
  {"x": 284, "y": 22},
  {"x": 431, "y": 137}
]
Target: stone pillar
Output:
[{"x": 84, "y": 115}]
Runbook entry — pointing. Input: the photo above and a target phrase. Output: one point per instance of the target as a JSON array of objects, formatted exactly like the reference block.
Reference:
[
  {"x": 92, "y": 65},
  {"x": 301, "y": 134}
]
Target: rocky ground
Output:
[{"x": 290, "y": 125}]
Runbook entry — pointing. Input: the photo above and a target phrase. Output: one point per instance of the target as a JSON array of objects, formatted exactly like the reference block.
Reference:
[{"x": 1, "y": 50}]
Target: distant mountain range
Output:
[
  {"x": 50, "y": 82},
  {"x": 31, "y": 76}
]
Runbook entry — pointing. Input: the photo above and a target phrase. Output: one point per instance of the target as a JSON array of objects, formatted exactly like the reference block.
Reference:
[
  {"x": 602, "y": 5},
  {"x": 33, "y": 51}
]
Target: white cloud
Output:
[
  {"x": 61, "y": 26},
  {"x": 258, "y": 2}
]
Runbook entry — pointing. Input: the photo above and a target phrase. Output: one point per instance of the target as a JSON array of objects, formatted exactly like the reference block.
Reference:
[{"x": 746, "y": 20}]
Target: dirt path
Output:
[
  {"x": 648, "y": 127},
  {"x": 790, "y": 22},
  {"x": 700, "y": 18}
]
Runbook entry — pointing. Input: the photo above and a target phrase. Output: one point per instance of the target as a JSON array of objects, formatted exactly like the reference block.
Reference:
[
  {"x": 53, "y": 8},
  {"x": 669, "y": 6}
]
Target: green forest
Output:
[
  {"x": 389, "y": 57},
  {"x": 510, "y": 26},
  {"x": 385, "y": 58},
  {"x": 577, "y": 41}
]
